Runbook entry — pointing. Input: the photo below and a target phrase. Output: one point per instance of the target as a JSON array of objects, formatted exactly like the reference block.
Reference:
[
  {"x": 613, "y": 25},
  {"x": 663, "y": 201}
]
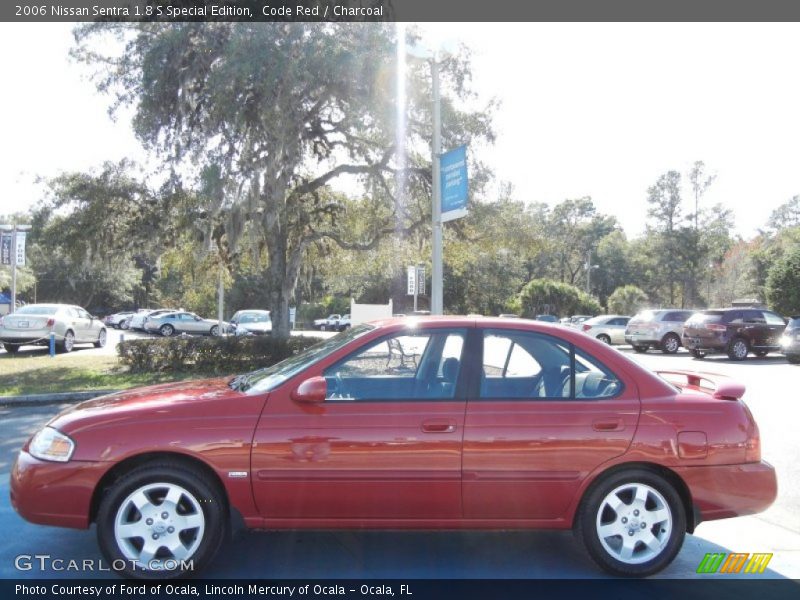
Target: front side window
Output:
[
  {"x": 773, "y": 319},
  {"x": 529, "y": 366},
  {"x": 408, "y": 366}
]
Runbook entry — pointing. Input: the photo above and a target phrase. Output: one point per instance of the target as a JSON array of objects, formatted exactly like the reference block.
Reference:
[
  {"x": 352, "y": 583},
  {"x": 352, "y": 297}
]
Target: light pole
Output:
[{"x": 14, "y": 229}]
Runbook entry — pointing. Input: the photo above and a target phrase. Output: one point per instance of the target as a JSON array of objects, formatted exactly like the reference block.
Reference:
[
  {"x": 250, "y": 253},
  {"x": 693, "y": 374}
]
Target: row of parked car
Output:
[
  {"x": 735, "y": 331},
  {"x": 168, "y": 322}
]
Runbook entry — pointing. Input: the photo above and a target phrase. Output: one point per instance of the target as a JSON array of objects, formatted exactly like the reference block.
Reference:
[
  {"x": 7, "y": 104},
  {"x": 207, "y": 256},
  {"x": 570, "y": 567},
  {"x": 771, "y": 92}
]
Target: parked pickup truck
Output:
[{"x": 331, "y": 323}]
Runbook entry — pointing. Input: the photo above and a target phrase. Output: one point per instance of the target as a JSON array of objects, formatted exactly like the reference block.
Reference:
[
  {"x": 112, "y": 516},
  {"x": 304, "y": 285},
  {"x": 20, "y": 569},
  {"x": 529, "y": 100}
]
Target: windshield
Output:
[
  {"x": 254, "y": 317},
  {"x": 268, "y": 378}
]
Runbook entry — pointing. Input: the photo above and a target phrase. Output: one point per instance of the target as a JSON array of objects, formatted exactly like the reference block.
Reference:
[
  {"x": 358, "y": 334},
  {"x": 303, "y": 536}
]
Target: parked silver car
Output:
[
  {"x": 116, "y": 319},
  {"x": 250, "y": 322},
  {"x": 609, "y": 329},
  {"x": 661, "y": 329},
  {"x": 170, "y": 323},
  {"x": 32, "y": 325},
  {"x": 139, "y": 320}
]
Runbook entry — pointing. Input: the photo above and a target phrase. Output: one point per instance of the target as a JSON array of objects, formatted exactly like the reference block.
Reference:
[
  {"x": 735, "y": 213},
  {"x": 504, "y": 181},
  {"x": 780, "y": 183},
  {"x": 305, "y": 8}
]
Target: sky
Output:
[{"x": 593, "y": 109}]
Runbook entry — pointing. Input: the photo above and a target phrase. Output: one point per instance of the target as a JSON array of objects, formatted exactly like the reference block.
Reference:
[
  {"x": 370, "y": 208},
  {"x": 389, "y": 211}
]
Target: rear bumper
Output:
[
  {"x": 641, "y": 339},
  {"x": 724, "y": 491},
  {"x": 50, "y": 493}
]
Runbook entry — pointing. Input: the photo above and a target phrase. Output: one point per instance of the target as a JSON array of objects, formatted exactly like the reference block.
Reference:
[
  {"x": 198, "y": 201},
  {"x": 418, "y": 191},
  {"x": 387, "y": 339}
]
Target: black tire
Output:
[
  {"x": 792, "y": 358},
  {"x": 208, "y": 500},
  {"x": 214, "y": 331},
  {"x": 738, "y": 349},
  {"x": 101, "y": 339},
  {"x": 604, "y": 338},
  {"x": 322, "y": 327},
  {"x": 640, "y": 349},
  {"x": 670, "y": 343},
  {"x": 125, "y": 325},
  {"x": 761, "y": 353},
  {"x": 699, "y": 354},
  {"x": 166, "y": 330},
  {"x": 14, "y": 348},
  {"x": 593, "y": 512},
  {"x": 68, "y": 343}
]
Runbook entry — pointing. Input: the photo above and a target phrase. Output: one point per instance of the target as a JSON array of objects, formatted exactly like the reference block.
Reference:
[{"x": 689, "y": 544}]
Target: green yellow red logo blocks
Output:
[{"x": 735, "y": 562}]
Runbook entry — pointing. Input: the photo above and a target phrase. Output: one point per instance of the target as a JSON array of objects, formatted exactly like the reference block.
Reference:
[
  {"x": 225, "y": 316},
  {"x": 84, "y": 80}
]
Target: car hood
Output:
[{"x": 163, "y": 401}]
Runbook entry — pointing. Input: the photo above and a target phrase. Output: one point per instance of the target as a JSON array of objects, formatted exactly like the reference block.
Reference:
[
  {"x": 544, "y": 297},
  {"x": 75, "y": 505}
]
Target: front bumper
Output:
[
  {"x": 50, "y": 493},
  {"x": 724, "y": 491}
]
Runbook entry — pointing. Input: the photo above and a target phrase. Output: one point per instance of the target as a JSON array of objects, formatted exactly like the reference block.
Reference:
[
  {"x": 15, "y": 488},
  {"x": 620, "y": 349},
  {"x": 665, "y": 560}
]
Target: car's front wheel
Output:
[
  {"x": 101, "y": 339},
  {"x": 632, "y": 523},
  {"x": 161, "y": 521},
  {"x": 214, "y": 330}
]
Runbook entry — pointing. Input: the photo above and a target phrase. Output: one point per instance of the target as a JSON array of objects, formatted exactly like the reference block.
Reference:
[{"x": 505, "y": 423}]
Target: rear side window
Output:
[
  {"x": 521, "y": 365},
  {"x": 645, "y": 315},
  {"x": 707, "y": 316},
  {"x": 773, "y": 319},
  {"x": 794, "y": 323},
  {"x": 678, "y": 316}
]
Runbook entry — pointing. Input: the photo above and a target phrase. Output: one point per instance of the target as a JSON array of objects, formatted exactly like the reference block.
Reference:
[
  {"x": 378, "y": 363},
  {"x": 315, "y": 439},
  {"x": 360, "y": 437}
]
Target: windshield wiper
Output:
[{"x": 240, "y": 383}]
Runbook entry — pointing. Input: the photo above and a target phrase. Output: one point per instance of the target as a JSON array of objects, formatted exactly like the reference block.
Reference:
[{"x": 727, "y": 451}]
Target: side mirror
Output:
[{"x": 311, "y": 390}]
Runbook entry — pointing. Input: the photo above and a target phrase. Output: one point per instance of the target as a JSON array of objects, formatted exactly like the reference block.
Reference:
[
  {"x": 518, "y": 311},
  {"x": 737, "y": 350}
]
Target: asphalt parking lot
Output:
[{"x": 772, "y": 396}]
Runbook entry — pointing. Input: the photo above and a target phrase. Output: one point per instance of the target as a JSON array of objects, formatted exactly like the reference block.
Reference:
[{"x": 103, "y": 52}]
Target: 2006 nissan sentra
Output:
[{"x": 434, "y": 423}]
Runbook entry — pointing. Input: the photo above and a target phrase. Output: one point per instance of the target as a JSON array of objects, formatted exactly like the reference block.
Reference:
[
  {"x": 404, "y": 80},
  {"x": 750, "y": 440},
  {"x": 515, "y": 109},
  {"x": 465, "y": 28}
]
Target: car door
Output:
[
  {"x": 82, "y": 322},
  {"x": 616, "y": 329},
  {"x": 542, "y": 417},
  {"x": 385, "y": 444}
]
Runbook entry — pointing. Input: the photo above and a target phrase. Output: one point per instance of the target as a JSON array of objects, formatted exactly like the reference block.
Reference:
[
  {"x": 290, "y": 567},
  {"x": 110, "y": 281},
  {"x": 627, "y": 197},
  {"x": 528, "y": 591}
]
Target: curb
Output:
[{"x": 55, "y": 398}]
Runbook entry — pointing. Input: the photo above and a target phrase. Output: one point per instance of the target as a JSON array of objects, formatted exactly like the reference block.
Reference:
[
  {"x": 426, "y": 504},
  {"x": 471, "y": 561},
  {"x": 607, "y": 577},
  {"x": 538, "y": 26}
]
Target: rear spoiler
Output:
[{"x": 719, "y": 386}]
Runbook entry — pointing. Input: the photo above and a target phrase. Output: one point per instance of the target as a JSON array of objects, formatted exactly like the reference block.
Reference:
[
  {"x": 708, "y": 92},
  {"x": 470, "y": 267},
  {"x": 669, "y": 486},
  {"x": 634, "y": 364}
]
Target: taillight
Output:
[
  {"x": 716, "y": 327},
  {"x": 587, "y": 327},
  {"x": 51, "y": 321},
  {"x": 752, "y": 447}
]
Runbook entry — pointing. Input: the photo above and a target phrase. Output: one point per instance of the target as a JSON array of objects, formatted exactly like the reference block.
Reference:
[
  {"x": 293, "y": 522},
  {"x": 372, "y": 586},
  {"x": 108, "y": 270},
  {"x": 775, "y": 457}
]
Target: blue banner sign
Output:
[
  {"x": 5, "y": 248},
  {"x": 453, "y": 165}
]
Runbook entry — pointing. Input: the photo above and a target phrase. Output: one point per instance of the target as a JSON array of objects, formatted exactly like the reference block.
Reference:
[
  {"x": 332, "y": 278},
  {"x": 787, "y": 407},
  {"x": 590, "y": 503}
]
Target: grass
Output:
[{"x": 35, "y": 373}]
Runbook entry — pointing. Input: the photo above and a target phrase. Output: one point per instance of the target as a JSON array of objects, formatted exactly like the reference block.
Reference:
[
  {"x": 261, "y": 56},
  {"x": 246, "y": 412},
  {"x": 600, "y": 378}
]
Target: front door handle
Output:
[
  {"x": 608, "y": 425},
  {"x": 438, "y": 427}
]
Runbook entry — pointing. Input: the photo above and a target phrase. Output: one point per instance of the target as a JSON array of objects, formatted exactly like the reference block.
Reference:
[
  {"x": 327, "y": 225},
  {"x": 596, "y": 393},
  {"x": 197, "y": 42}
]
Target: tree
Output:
[
  {"x": 665, "y": 210},
  {"x": 693, "y": 250},
  {"x": 783, "y": 283},
  {"x": 283, "y": 110},
  {"x": 541, "y": 296},
  {"x": 786, "y": 215},
  {"x": 627, "y": 300}
]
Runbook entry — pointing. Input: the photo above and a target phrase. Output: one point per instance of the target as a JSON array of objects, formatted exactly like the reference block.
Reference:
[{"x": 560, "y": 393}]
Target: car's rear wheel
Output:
[
  {"x": 68, "y": 343},
  {"x": 670, "y": 344},
  {"x": 162, "y": 521},
  {"x": 214, "y": 330},
  {"x": 124, "y": 325},
  {"x": 738, "y": 349},
  {"x": 698, "y": 354},
  {"x": 101, "y": 339},
  {"x": 632, "y": 523},
  {"x": 14, "y": 348},
  {"x": 640, "y": 349},
  {"x": 604, "y": 338},
  {"x": 166, "y": 330}
]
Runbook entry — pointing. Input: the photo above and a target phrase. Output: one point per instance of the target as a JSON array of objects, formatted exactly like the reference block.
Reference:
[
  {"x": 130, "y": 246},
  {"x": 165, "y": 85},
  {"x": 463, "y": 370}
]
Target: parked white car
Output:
[
  {"x": 251, "y": 322},
  {"x": 32, "y": 325},
  {"x": 606, "y": 328},
  {"x": 331, "y": 323}
]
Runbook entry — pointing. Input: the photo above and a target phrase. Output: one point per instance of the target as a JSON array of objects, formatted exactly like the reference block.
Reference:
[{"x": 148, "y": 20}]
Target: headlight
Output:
[{"x": 51, "y": 444}]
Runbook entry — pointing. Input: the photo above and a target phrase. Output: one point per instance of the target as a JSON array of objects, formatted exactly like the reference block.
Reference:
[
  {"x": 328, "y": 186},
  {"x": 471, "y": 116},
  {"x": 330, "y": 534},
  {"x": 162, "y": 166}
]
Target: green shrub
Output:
[
  {"x": 208, "y": 354},
  {"x": 540, "y": 296}
]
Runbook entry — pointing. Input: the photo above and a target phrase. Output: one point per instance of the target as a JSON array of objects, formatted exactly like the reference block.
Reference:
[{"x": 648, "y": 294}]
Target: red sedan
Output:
[{"x": 434, "y": 423}]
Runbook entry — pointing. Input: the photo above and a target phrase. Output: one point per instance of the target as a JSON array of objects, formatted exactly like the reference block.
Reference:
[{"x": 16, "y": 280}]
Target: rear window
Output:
[
  {"x": 41, "y": 309},
  {"x": 646, "y": 315},
  {"x": 678, "y": 316}
]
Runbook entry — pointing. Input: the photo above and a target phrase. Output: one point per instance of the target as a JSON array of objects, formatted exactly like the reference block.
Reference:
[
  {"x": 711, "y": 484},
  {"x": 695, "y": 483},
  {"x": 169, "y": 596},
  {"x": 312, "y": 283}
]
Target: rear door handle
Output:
[
  {"x": 438, "y": 427},
  {"x": 608, "y": 425}
]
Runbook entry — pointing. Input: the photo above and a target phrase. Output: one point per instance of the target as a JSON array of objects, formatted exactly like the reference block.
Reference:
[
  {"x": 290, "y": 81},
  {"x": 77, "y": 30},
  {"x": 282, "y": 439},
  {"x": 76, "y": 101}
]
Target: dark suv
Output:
[
  {"x": 736, "y": 331},
  {"x": 791, "y": 340}
]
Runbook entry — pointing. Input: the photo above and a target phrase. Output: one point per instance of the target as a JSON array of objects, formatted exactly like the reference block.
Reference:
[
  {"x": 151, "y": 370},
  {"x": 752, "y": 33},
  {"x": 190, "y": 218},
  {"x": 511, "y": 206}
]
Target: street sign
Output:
[
  {"x": 20, "y": 248},
  {"x": 5, "y": 248},
  {"x": 454, "y": 183},
  {"x": 412, "y": 280},
  {"x": 421, "y": 281}
]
